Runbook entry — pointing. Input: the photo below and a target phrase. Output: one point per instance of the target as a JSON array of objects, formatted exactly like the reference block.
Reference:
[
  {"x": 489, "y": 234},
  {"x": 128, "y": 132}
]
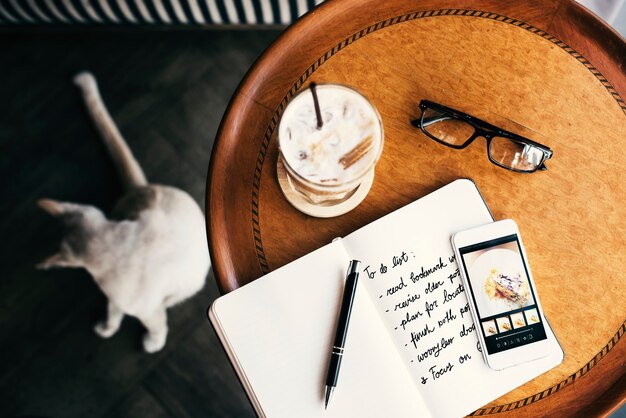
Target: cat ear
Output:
[
  {"x": 56, "y": 208},
  {"x": 56, "y": 260}
]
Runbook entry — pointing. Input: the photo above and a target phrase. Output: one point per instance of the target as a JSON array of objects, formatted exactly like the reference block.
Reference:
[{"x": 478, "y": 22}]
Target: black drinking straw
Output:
[{"x": 318, "y": 112}]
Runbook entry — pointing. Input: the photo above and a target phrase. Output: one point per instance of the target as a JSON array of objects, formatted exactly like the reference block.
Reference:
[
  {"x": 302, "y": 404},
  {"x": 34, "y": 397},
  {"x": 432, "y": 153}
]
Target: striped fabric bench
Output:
[{"x": 153, "y": 12}]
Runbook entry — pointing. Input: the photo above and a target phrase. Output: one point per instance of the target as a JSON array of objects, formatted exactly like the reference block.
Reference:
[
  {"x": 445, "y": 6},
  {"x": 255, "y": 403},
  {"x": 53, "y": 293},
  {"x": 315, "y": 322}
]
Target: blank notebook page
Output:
[{"x": 280, "y": 330}]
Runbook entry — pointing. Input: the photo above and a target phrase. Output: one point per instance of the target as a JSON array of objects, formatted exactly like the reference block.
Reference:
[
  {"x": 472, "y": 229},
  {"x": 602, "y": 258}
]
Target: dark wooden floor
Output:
[{"x": 167, "y": 91}]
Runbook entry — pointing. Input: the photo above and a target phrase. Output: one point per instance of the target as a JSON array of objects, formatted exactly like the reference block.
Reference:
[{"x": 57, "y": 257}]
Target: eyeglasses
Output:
[{"x": 457, "y": 130}]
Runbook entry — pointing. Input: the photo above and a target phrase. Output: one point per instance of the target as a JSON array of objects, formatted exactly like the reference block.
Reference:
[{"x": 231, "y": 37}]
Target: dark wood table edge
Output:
[
  {"x": 216, "y": 230},
  {"x": 611, "y": 399}
]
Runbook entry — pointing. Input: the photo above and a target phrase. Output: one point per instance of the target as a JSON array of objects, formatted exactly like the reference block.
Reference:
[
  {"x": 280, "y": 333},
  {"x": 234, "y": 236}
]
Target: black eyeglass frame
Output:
[{"x": 481, "y": 128}]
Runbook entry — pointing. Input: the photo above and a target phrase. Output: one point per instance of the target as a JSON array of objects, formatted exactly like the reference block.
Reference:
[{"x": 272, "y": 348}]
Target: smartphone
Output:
[{"x": 502, "y": 295}]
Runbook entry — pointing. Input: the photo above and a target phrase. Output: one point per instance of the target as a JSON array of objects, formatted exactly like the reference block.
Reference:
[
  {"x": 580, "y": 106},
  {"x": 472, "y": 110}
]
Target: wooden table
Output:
[{"x": 548, "y": 65}]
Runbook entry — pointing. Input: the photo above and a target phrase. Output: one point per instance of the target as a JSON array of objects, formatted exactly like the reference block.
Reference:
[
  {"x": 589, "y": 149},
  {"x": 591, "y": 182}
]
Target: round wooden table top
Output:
[{"x": 550, "y": 66}]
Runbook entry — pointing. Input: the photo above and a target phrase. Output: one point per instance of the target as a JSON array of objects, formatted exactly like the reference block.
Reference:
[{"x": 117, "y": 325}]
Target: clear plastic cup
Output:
[{"x": 326, "y": 165}]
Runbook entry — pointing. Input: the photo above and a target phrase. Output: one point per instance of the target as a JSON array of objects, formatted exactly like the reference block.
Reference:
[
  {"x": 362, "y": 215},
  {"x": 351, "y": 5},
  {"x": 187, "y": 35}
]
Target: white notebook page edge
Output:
[{"x": 232, "y": 357}]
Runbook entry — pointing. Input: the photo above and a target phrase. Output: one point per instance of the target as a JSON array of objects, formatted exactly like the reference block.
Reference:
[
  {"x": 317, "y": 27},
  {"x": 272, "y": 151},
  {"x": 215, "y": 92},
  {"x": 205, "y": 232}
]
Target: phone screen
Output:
[{"x": 504, "y": 296}]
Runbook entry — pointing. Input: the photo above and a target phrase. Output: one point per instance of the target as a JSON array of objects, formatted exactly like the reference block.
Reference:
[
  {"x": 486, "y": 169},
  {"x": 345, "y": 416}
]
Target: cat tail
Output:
[{"x": 128, "y": 168}]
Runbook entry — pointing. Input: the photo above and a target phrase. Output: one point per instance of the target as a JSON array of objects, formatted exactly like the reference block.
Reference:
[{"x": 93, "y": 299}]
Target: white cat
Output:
[{"x": 152, "y": 255}]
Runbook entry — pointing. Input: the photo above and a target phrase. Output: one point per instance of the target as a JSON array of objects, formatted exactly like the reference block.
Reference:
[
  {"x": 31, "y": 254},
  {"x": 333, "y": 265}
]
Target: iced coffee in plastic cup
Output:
[{"x": 327, "y": 163}]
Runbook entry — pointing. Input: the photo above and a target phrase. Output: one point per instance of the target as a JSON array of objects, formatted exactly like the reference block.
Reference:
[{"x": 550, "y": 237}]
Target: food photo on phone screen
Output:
[{"x": 505, "y": 299}]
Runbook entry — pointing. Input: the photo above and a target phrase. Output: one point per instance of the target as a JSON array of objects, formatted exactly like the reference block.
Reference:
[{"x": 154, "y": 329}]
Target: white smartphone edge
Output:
[{"x": 514, "y": 356}]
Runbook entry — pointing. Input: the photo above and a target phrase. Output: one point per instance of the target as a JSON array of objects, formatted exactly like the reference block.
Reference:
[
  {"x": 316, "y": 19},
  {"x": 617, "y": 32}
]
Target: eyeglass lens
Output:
[
  {"x": 515, "y": 155},
  {"x": 446, "y": 128}
]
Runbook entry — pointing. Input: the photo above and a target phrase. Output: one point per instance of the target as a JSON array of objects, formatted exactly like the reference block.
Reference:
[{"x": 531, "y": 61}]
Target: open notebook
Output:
[{"x": 411, "y": 348}]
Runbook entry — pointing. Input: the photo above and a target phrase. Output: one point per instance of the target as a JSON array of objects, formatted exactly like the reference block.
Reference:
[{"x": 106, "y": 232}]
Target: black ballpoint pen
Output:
[{"x": 342, "y": 328}]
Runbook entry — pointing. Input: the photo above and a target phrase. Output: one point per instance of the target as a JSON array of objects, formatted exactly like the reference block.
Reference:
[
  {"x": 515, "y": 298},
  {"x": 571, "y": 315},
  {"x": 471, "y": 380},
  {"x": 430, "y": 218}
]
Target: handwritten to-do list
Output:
[{"x": 426, "y": 311}]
